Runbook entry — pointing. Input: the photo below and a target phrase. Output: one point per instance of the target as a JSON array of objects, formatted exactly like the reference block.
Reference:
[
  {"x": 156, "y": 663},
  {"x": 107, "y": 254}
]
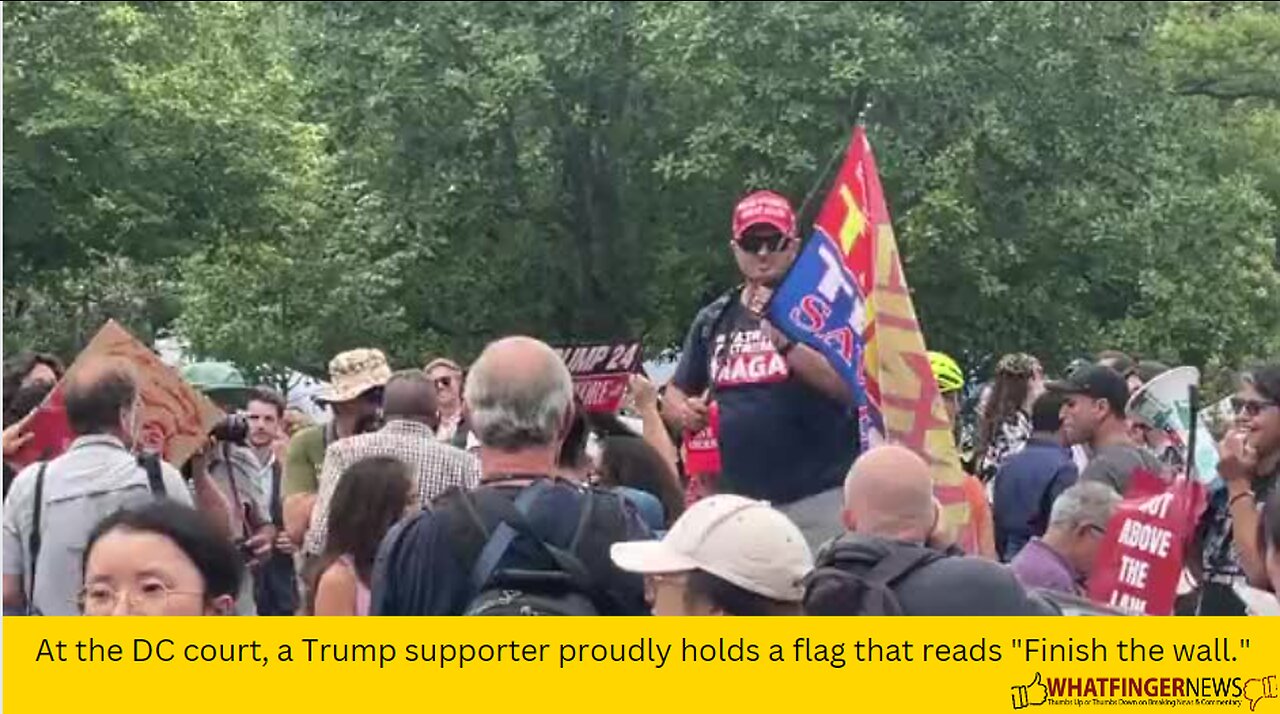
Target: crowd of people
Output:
[{"x": 489, "y": 490}]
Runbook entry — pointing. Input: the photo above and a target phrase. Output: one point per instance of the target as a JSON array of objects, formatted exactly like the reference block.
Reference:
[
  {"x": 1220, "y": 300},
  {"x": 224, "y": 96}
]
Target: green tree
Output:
[
  {"x": 143, "y": 132},
  {"x": 423, "y": 177}
]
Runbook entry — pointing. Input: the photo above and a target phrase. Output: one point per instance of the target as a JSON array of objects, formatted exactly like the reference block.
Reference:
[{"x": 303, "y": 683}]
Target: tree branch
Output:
[{"x": 1213, "y": 89}]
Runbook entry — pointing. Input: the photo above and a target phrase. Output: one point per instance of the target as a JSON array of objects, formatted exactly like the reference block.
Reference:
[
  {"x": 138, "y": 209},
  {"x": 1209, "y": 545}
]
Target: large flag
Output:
[{"x": 847, "y": 297}]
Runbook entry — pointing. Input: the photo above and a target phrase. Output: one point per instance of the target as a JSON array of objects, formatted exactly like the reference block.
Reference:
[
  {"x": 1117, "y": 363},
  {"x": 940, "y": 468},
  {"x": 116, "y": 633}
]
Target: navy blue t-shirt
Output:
[{"x": 780, "y": 439}]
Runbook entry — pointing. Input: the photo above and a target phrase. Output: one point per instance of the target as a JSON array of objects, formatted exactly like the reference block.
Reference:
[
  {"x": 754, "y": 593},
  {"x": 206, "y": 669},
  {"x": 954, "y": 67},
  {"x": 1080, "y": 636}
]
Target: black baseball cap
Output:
[{"x": 1097, "y": 382}]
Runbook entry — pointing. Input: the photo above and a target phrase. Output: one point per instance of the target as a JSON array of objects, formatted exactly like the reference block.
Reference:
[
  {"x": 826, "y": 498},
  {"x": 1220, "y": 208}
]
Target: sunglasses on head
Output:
[
  {"x": 1251, "y": 407},
  {"x": 771, "y": 242}
]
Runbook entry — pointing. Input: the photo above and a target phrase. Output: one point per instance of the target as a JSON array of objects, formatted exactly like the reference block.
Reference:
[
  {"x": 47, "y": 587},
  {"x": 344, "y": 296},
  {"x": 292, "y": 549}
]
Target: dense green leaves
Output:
[{"x": 425, "y": 176}]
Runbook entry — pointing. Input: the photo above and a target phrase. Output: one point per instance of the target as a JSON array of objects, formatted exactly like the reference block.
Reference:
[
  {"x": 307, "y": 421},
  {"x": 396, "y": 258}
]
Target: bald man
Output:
[
  {"x": 889, "y": 494},
  {"x": 893, "y": 562},
  {"x": 519, "y": 402},
  {"x": 409, "y": 405}
]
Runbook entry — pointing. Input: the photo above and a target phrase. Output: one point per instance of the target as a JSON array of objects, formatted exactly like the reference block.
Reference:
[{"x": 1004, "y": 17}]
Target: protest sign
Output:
[
  {"x": 702, "y": 448},
  {"x": 601, "y": 372},
  {"x": 172, "y": 418},
  {"x": 1140, "y": 559}
]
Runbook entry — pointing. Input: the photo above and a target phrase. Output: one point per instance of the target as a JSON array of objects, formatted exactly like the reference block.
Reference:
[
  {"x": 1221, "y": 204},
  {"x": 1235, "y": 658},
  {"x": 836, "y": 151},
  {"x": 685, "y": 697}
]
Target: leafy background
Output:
[{"x": 275, "y": 182}]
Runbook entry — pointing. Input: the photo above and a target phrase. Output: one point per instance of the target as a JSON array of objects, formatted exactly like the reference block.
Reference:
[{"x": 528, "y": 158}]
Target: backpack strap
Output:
[
  {"x": 33, "y": 542},
  {"x": 155, "y": 479},
  {"x": 501, "y": 537},
  {"x": 719, "y": 310},
  {"x": 277, "y": 500},
  {"x": 901, "y": 563},
  {"x": 878, "y": 582},
  {"x": 514, "y": 522}
]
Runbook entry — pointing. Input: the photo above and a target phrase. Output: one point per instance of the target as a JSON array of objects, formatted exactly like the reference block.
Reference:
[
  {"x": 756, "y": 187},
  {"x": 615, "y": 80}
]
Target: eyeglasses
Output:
[
  {"x": 151, "y": 597},
  {"x": 1251, "y": 407},
  {"x": 771, "y": 243},
  {"x": 652, "y": 581}
]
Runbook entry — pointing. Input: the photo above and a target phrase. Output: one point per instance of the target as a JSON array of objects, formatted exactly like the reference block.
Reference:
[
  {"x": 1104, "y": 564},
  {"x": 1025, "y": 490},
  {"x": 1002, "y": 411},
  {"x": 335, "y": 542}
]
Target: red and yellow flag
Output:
[{"x": 901, "y": 397}]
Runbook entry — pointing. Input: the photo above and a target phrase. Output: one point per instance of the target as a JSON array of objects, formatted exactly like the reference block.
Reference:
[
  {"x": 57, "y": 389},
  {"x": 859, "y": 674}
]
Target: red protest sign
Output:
[
  {"x": 50, "y": 432},
  {"x": 173, "y": 419},
  {"x": 702, "y": 448},
  {"x": 1141, "y": 556},
  {"x": 601, "y": 372}
]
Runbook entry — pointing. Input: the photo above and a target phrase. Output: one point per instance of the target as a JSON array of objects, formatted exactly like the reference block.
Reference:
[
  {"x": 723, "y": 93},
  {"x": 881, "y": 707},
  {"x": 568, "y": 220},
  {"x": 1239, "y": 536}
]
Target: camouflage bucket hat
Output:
[{"x": 354, "y": 373}]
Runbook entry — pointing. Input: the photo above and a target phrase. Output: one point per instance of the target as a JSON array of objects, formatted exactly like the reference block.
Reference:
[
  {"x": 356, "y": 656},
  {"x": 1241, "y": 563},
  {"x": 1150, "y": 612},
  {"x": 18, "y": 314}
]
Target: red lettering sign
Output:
[
  {"x": 702, "y": 448},
  {"x": 601, "y": 372},
  {"x": 603, "y": 393},
  {"x": 1140, "y": 559}
]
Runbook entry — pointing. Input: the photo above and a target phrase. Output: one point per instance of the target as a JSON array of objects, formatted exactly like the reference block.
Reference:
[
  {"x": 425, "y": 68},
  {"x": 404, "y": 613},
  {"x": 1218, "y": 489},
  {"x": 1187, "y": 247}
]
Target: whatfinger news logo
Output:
[{"x": 1144, "y": 691}]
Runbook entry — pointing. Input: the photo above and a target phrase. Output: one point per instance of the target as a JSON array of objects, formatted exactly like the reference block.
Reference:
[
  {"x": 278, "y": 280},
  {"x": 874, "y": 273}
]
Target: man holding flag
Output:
[
  {"x": 846, "y": 297},
  {"x": 787, "y": 432}
]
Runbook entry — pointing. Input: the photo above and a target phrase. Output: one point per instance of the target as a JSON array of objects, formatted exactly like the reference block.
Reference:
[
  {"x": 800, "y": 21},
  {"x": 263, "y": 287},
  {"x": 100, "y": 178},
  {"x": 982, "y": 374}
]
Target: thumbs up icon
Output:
[
  {"x": 1031, "y": 695},
  {"x": 1255, "y": 690}
]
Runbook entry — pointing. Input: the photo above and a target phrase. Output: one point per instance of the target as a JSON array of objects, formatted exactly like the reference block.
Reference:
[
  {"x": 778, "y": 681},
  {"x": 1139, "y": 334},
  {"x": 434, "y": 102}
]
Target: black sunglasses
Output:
[
  {"x": 1251, "y": 407},
  {"x": 772, "y": 243}
]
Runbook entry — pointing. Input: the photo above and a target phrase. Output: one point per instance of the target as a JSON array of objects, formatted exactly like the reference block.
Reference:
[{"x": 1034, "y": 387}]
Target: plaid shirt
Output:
[{"x": 433, "y": 466}]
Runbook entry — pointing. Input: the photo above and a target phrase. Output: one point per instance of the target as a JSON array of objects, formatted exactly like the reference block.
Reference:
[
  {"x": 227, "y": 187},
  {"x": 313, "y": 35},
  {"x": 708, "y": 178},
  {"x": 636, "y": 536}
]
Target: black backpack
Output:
[
  {"x": 561, "y": 583},
  {"x": 848, "y": 580}
]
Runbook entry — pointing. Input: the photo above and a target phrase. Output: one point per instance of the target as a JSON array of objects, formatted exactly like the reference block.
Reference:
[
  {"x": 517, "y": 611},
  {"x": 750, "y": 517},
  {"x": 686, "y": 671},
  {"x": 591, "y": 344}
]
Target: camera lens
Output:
[{"x": 233, "y": 429}]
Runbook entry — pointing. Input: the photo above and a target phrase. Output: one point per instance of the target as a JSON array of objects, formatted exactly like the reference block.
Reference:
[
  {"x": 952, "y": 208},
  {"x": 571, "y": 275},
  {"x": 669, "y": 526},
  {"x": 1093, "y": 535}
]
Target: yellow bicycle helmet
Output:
[{"x": 947, "y": 372}]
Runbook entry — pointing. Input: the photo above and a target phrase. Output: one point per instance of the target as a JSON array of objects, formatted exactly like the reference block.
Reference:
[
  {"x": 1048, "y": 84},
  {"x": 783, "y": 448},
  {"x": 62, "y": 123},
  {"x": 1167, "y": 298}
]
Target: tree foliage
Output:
[{"x": 425, "y": 176}]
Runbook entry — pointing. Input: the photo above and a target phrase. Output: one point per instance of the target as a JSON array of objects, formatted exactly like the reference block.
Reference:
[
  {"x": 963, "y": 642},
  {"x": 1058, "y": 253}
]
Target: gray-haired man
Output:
[
  {"x": 1064, "y": 556},
  {"x": 519, "y": 399}
]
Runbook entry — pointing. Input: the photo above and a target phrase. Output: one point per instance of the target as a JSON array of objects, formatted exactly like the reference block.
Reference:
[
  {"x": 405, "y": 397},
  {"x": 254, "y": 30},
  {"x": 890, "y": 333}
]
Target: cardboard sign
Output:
[
  {"x": 601, "y": 372},
  {"x": 1140, "y": 559},
  {"x": 173, "y": 418}
]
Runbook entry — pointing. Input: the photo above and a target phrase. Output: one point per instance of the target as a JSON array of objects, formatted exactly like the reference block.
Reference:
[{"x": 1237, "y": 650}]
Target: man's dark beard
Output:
[{"x": 368, "y": 423}]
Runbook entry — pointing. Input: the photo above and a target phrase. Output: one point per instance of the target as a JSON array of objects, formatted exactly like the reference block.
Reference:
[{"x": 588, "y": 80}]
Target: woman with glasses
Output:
[
  {"x": 159, "y": 559},
  {"x": 1249, "y": 465}
]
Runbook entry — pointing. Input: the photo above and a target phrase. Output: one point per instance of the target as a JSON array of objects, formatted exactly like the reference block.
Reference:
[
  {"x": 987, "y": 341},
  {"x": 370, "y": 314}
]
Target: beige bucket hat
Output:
[{"x": 354, "y": 373}]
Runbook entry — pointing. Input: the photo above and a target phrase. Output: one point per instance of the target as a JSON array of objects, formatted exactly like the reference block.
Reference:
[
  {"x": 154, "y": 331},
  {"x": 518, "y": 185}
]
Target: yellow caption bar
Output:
[{"x": 641, "y": 664}]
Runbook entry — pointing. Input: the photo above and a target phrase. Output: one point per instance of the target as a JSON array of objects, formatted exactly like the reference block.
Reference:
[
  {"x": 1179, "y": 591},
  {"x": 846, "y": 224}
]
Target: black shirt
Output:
[{"x": 780, "y": 439}]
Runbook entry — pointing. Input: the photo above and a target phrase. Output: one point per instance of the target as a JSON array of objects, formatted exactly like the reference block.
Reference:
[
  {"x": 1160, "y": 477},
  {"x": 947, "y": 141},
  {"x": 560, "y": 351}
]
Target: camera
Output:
[{"x": 233, "y": 429}]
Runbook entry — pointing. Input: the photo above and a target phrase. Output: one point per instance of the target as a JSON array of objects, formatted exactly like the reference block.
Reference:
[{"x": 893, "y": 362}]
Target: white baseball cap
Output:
[{"x": 745, "y": 542}]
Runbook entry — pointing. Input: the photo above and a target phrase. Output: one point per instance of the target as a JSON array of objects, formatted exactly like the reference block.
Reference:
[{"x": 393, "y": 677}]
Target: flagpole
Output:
[
  {"x": 804, "y": 227},
  {"x": 859, "y": 106}
]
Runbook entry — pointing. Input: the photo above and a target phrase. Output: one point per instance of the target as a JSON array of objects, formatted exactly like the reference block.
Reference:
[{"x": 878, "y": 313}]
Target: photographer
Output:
[{"x": 235, "y": 468}]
